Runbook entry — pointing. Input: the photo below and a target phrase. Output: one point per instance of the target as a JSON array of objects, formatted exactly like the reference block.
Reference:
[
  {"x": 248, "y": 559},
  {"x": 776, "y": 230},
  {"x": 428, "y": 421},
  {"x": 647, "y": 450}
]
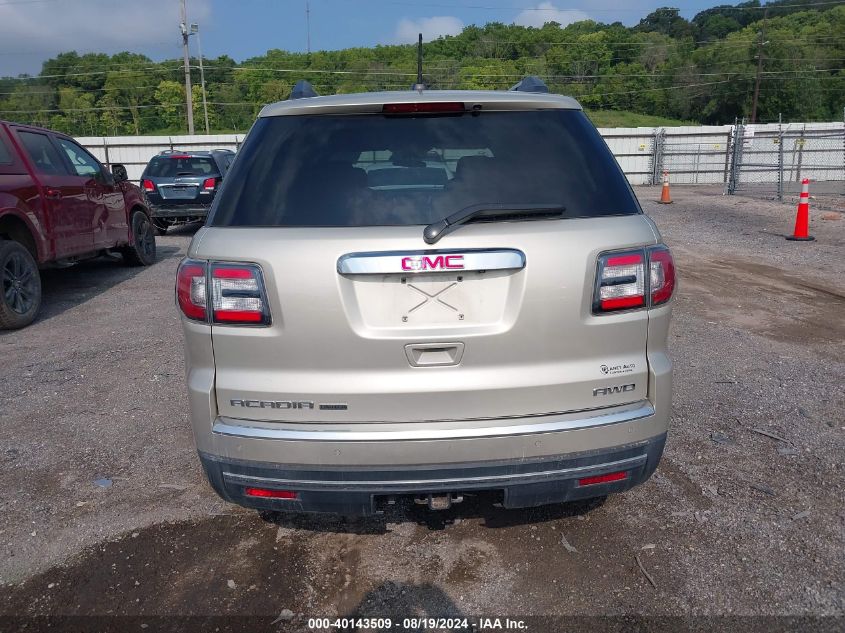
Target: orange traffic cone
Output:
[
  {"x": 801, "y": 232},
  {"x": 665, "y": 197}
]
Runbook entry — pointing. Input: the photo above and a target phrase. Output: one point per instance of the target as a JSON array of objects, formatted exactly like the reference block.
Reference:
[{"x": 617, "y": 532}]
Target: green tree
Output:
[
  {"x": 78, "y": 114},
  {"x": 170, "y": 96},
  {"x": 31, "y": 102},
  {"x": 702, "y": 69},
  {"x": 667, "y": 21}
]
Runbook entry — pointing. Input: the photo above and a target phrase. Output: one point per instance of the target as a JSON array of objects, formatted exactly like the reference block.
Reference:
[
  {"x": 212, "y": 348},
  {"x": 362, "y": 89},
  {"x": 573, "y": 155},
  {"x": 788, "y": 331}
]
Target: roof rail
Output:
[
  {"x": 302, "y": 89},
  {"x": 531, "y": 83}
]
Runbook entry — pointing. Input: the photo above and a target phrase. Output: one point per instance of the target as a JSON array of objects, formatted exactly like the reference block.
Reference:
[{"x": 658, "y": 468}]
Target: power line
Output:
[
  {"x": 361, "y": 74},
  {"x": 589, "y": 9},
  {"x": 657, "y": 45},
  {"x": 525, "y": 43},
  {"x": 653, "y": 44},
  {"x": 26, "y": 2},
  {"x": 245, "y": 103},
  {"x": 146, "y": 106},
  {"x": 83, "y": 52}
]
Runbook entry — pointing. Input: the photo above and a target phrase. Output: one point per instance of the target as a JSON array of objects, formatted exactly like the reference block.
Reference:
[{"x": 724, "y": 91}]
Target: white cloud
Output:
[
  {"x": 547, "y": 12},
  {"x": 431, "y": 28},
  {"x": 32, "y": 32}
]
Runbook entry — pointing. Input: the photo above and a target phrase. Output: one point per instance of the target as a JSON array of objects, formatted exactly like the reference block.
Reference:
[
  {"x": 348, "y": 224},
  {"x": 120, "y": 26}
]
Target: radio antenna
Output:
[{"x": 419, "y": 85}]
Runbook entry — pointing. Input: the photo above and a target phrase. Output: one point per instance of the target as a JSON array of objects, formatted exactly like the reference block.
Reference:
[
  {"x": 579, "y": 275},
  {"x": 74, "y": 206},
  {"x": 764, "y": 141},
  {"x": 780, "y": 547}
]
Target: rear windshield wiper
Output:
[{"x": 436, "y": 230}]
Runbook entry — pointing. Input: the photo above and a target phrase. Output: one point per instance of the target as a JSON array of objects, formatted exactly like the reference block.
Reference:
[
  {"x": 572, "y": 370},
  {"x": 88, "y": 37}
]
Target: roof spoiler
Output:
[
  {"x": 531, "y": 83},
  {"x": 302, "y": 89}
]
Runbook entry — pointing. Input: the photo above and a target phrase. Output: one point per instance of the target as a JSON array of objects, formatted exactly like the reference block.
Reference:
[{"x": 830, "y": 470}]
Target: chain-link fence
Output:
[
  {"x": 767, "y": 160},
  {"x": 693, "y": 158},
  {"x": 771, "y": 163}
]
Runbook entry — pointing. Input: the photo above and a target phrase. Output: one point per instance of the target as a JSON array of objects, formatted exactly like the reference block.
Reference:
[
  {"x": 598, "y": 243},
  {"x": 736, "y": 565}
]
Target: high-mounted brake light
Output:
[
  {"x": 621, "y": 282},
  {"x": 209, "y": 184},
  {"x": 423, "y": 108},
  {"x": 179, "y": 156},
  {"x": 148, "y": 185},
  {"x": 191, "y": 289},
  {"x": 234, "y": 292}
]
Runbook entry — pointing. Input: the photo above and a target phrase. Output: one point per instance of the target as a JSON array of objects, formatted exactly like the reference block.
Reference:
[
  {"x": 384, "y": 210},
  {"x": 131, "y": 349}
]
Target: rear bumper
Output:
[
  {"x": 358, "y": 490},
  {"x": 346, "y": 468},
  {"x": 179, "y": 210}
]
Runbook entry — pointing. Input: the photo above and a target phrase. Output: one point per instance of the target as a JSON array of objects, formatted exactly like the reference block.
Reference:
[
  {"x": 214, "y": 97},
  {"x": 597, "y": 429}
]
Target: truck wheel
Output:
[
  {"x": 142, "y": 250},
  {"x": 20, "y": 286},
  {"x": 161, "y": 225}
]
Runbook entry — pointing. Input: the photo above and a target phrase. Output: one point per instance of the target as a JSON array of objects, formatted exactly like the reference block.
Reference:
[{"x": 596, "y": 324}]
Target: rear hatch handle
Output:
[
  {"x": 434, "y": 354},
  {"x": 499, "y": 210}
]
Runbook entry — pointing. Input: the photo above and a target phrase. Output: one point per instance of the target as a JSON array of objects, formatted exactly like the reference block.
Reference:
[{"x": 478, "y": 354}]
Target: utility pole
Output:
[
  {"x": 760, "y": 44},
  {"x": 308, "y": 24},
  {"x": 195, "y": 30},
  {"x": 188, "y": 96}
]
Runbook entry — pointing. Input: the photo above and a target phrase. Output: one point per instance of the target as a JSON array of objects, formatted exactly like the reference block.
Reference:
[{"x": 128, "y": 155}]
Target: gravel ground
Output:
[{"x": 745, "y": 515}]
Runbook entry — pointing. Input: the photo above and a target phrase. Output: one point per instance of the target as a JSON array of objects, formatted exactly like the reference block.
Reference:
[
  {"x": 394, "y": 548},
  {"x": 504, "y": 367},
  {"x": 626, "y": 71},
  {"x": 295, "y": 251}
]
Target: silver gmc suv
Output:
[{"x": 426, "y": 293}]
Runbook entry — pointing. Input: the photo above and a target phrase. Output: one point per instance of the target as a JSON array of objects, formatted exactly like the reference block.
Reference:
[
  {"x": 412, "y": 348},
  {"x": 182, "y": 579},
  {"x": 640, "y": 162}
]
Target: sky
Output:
[{"x": 32, "y": 31}]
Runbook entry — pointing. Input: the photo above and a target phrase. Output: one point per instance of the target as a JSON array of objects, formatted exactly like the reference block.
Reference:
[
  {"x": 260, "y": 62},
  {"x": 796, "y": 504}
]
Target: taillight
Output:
[
  {"x": 148, "y": 185},
  {"x": 209, "y": 184},
  {"x": 235, "y": 295},
  {"x": 621, "y": 282},
  {"x": 662, "y": 275},
  {"x": 191, "y": 289}
]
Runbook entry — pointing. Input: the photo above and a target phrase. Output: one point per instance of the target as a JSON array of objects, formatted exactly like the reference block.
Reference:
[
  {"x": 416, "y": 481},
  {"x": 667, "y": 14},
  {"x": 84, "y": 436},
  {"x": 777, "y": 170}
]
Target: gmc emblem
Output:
[
  {"x": 438, "y": 262},
  {"x": 609, "y": 391}
]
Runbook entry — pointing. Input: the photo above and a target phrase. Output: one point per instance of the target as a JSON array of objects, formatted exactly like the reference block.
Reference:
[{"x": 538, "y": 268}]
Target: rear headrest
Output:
[
  {"x": 474, "y": 167},
  {"x": 339, "y": 174}
]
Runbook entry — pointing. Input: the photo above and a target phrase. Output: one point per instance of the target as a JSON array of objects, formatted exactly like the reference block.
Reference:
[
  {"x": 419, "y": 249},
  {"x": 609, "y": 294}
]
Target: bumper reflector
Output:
[
  {"x": 603, "y": 479},
  {"x": 267, "y": 493}
]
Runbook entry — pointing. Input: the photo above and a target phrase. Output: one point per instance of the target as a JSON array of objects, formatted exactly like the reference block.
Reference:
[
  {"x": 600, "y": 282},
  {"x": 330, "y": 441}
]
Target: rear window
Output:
[
  {"x": 5, "y": 154},
  {"x": 376, "y": 170},
  {"x": 171, "y": 166}
]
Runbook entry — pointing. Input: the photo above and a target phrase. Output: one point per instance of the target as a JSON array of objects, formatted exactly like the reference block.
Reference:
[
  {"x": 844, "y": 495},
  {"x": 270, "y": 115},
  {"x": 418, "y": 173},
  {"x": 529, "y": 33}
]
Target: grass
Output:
[{"x": 623, "y": 118}]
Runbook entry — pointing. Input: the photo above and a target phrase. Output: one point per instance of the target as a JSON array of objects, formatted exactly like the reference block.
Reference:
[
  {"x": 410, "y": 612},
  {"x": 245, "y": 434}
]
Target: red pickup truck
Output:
[{"x": 59, "y": 205}]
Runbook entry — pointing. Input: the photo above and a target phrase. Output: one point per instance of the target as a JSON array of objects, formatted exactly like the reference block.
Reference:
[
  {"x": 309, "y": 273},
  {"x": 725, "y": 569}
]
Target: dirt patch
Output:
[
  {"x": 212, "y": 567},
  {"x": 689, "y": 489},
  {"x": 249, "y": 565},
  {"x": 733, "y": 521},
  {"x": 767, "y": 300}
]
